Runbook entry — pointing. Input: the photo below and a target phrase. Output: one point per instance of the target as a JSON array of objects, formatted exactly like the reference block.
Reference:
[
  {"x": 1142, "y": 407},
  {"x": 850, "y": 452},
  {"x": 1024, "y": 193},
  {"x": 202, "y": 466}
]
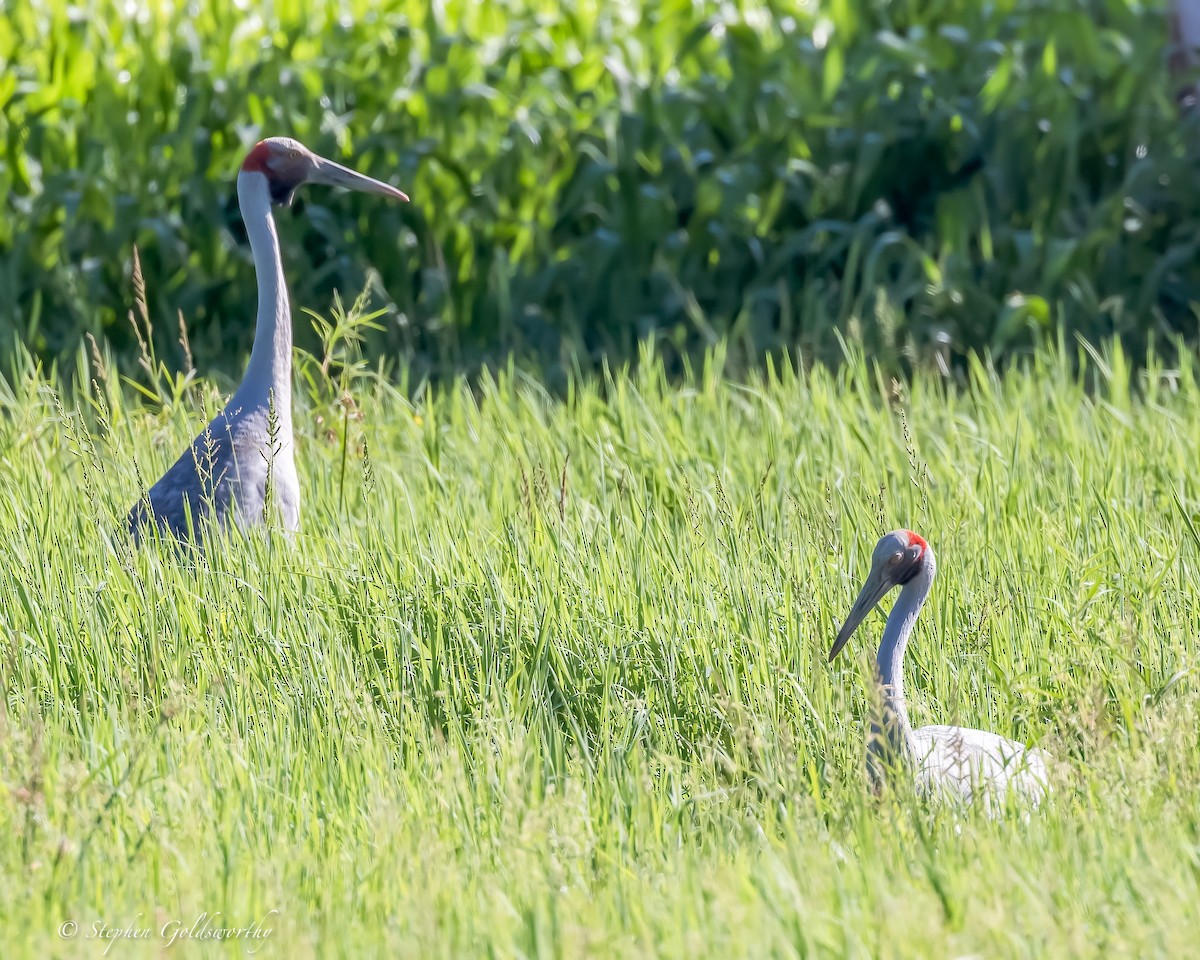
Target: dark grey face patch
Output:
[
  {"x": 910, "y": 566},
  {"x": 283, "y": 189}
]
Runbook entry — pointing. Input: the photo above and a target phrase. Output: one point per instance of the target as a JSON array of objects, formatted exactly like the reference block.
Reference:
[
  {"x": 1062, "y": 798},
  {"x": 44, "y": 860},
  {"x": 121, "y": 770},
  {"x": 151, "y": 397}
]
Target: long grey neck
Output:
[
  {"x": 892, "y": 732},
  {"x": 270, "y": 367}
]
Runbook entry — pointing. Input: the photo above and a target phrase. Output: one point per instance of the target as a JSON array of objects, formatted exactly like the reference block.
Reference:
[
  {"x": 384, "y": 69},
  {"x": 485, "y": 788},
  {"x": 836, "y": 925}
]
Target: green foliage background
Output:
[{"x": 924, "y": 176}]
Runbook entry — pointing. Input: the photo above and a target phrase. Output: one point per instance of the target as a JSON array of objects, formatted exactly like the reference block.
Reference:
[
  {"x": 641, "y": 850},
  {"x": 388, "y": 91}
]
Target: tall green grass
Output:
[{"x": 546, "y": 677}]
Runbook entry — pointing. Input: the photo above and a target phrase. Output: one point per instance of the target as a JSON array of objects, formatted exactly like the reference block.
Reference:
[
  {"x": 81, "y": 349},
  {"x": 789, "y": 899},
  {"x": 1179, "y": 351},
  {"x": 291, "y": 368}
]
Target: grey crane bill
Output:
[
  {"x": 335, "y": 175},
  {"x": 873, "y": 590}
]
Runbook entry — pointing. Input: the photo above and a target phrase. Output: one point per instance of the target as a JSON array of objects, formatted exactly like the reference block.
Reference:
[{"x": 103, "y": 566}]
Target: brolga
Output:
[
  {"x": 242, "y": 466},
  {"x": 947, "y": 761}
]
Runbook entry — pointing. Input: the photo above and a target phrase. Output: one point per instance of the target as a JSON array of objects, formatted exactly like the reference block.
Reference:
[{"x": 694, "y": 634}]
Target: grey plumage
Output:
[{"x": 226, "y": 475}]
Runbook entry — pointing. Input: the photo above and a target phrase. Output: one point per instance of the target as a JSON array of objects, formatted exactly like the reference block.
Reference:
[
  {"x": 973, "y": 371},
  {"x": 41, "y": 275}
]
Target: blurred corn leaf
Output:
[{"x": 587, "y": 175}]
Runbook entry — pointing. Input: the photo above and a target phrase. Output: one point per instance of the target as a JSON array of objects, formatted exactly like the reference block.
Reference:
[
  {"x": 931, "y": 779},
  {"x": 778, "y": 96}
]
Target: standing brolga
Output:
[
  {"x": 244, "y": 458},
  {"x": 954, "y": 761}
]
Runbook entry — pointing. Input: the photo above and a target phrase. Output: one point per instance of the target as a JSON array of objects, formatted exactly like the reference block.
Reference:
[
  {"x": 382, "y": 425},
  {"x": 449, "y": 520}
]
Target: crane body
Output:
[
  {"x": 946, "y": 760},
  {"x": 242, "y": 465}
]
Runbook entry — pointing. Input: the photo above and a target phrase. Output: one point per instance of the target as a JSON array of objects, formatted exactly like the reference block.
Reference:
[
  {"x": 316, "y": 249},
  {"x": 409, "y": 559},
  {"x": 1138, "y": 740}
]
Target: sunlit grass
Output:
[{"x": 546, "y": 676}]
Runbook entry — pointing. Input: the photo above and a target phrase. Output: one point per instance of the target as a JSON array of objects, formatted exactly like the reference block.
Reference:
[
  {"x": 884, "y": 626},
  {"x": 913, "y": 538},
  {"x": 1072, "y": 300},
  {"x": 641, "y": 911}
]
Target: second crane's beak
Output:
[
  {"x": 872, "y": 592},
  {"x": 335, "y": 175}
]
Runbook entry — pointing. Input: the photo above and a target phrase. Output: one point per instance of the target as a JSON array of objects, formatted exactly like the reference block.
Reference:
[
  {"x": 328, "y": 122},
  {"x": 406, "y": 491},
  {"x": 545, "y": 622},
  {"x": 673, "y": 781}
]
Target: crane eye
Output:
[
  {"x": 294, "y": 154},
  {"x": 894, "y": 559}
]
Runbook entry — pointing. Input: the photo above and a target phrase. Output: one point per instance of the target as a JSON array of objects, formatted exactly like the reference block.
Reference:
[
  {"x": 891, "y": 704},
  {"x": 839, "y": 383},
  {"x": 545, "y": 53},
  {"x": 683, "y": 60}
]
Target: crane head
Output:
[
  {"x": 287, "y": 163},
  {"x": 898, "y": 557}
]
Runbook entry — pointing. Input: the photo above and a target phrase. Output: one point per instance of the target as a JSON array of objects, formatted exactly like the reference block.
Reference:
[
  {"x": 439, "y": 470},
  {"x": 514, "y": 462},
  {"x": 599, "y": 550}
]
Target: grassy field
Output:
[{"x": 546, "y": 676}]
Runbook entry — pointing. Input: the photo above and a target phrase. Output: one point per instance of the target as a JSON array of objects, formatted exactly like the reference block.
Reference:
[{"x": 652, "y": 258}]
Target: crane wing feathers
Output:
[
  {"x": 963, "y": 761},
  {"x": 222, "y": 475}
]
